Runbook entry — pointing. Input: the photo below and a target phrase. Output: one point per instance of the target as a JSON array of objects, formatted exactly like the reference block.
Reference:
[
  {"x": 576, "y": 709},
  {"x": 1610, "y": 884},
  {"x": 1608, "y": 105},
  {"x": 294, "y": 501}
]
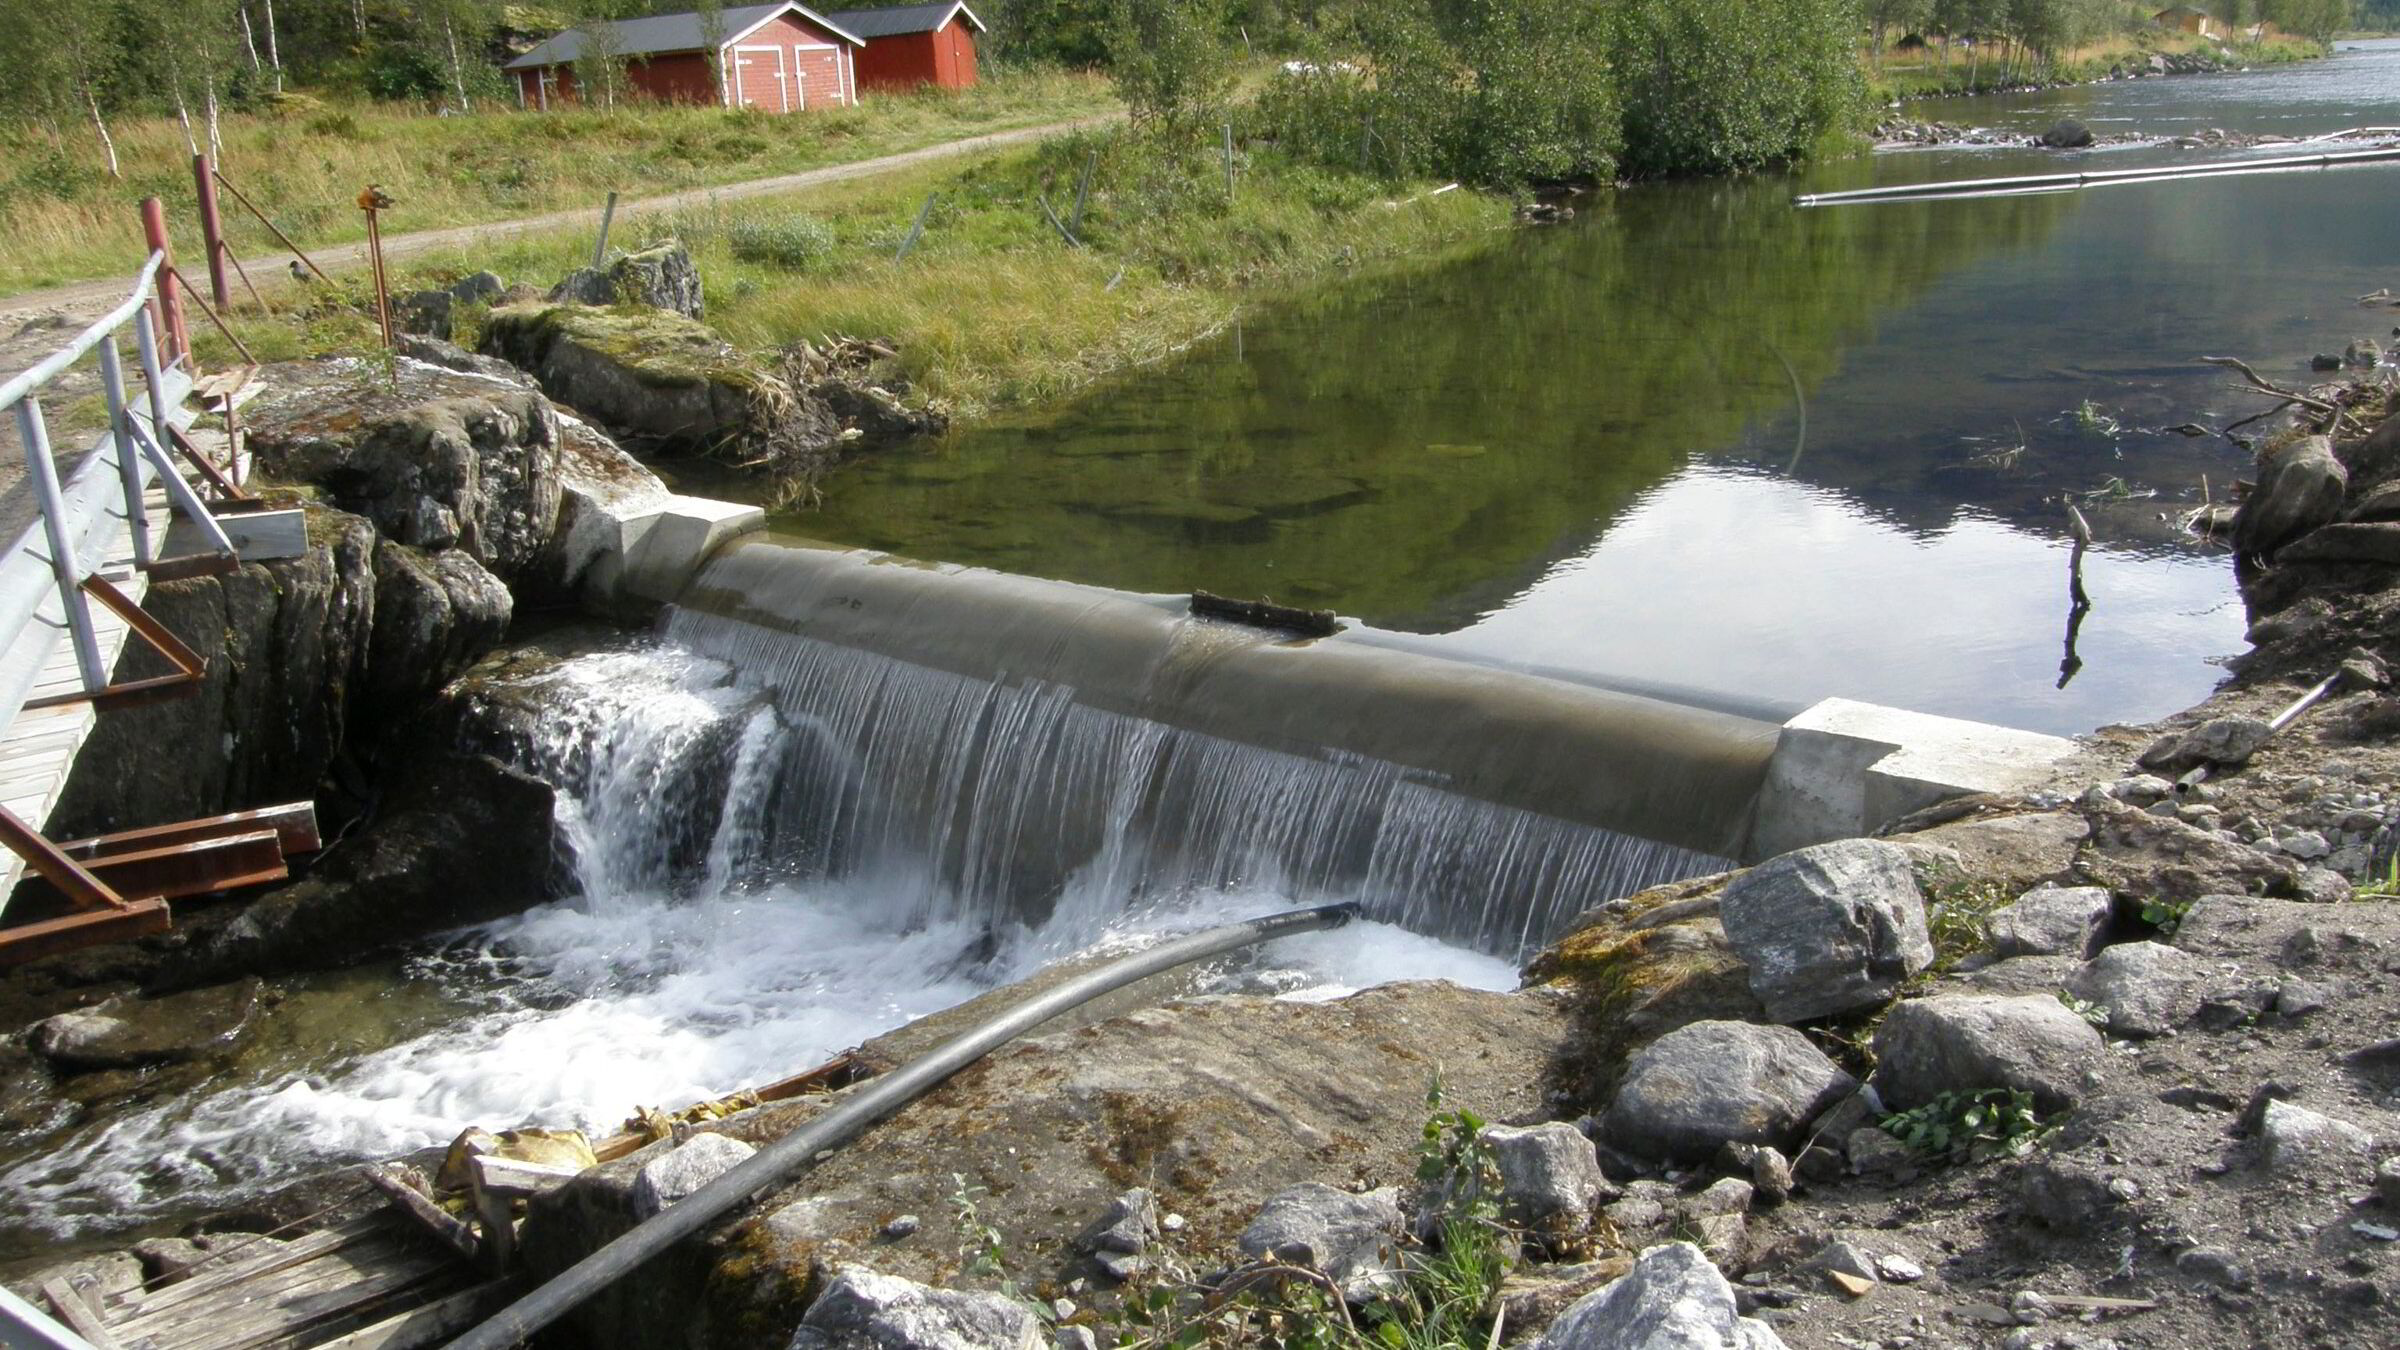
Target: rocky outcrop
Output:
[{"x": 662, "y": 276}]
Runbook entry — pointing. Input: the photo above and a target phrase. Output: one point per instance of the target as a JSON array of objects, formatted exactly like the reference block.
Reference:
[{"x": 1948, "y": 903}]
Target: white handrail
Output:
[{"x": 16, "y": 390}]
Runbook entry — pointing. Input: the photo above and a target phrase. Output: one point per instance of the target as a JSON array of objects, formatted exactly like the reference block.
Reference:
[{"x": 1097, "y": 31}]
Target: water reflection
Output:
[{"x": 1557, "y": 449}]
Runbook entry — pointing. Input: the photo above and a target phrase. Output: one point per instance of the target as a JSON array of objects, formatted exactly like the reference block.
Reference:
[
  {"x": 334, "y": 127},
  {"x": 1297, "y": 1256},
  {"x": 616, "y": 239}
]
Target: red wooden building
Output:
[
  {"x": 780, "y": 57},
  {"x": 913, "y": 45}
]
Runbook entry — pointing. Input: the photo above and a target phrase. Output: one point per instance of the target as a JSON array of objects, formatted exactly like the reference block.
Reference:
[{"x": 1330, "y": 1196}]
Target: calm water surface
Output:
[{"x": 1583, "y": 448}]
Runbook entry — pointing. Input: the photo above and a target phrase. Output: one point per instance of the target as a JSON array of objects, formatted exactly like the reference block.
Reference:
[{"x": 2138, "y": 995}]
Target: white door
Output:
[{"x": 753, "y": 69}]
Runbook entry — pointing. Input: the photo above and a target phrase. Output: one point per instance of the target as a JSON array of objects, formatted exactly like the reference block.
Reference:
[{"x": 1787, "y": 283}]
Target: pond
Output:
[{"x": 1702, "y": 439}]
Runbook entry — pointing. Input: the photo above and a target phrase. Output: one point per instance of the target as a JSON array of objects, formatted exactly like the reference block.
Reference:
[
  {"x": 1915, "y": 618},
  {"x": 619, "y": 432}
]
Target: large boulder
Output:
[
  {"x": 2221, "y": 741},
  {"x": 861, "y": 1310},
  {"x": 436, "y": 613},
  {"x": 2148, "y": 988},
  {"x": 1550, "y": 1178},
  {"x": 1973, "y": 1042},
  {"x": 2067, "y": 135},
  {"x": 662, "y": 276},
  {"x": 1828, "y": 929},
  {"x": 1353, "y": 1238},
  {"x": 1694, "y": 1090},
  {"x": 1674, "y": 1298},
  {"x": 669, "y": 382},
  {"x": 453, "y": 459}
]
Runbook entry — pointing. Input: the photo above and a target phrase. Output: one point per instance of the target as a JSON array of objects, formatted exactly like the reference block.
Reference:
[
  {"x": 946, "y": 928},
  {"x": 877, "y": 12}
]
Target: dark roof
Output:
[
  {"x": 662, "y": 33},
  {"x": 895, "y": 20}
]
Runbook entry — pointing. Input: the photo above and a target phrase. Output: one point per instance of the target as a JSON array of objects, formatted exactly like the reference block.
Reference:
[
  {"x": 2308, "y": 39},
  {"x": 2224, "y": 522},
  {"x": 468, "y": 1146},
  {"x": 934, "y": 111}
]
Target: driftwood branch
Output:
[{"x": 2335, "y": 411}]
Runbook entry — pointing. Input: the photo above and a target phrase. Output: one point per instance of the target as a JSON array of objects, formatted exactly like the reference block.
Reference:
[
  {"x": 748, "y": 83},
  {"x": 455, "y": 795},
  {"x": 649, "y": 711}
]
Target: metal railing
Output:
[{"x": 56, "y": 556}]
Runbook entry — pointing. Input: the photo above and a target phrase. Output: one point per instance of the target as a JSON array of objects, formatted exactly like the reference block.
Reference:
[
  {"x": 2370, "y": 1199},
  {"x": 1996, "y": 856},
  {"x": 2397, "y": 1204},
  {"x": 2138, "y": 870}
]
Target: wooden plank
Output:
[
  {"x": 428, "y": 1215},
  {"x": 258, "y": 1296},
  {"x": 292, "y": 1253},
  {"x": 437, "y": 1321},
  {"x": 260, "y": 1322},
  {"x": 511, "y": 1177},
  {"x": 80, "y": 1317}
]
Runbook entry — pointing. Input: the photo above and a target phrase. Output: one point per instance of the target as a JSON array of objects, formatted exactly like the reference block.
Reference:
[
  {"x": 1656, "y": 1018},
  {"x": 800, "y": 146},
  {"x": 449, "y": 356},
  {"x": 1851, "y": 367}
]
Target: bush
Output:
[
  {"x": 1716, "y": 85},
  {"x": 795, "y": 241}
]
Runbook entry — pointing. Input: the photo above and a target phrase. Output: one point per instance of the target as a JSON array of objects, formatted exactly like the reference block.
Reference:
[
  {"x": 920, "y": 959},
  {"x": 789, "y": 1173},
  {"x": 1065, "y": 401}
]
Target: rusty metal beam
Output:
[
  {"x": 140, "y": 918},
  {"x": 82, "y": 889},
  {"x": 190, "y": 668},
  {"x": 199, "y": 867},
  {"x": 294, "y": 823}
]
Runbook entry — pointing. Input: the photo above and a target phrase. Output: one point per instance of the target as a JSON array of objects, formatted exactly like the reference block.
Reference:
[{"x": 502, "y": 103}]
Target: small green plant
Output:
[
  {"x": 981, "y": 1250},
  {"x": 2385, "y": 887},
  {"x": 1970, "y": 1126},
  {"x": 2089, "y": 417},
  {"x": 796, "y": 242},
  {"x": 2091, "y": 1012},
  {"x": 2164, "y": 914},
  {"x": 1958, "y": 917}
]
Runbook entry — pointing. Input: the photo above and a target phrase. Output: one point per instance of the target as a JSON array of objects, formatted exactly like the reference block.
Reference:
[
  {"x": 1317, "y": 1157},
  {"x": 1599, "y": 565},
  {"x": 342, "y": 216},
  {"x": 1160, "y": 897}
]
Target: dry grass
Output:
[{"x": 65, "y": 220}]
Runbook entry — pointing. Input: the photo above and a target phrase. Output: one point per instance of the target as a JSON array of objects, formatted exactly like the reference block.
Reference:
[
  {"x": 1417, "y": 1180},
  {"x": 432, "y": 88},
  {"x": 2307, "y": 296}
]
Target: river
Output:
[
  {"x": 1581, "y": 448},
  {"x": 1577, "y": 448}
]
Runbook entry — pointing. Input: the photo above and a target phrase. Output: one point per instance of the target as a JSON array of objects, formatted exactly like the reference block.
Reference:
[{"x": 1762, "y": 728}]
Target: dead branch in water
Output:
[{"x": 2334, "y": 411}]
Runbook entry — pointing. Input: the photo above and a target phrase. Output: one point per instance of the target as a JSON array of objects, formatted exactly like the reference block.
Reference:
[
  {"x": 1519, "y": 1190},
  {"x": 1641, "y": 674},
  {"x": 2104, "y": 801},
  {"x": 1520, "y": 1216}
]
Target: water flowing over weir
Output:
[{"x": 1020, "y": 744}]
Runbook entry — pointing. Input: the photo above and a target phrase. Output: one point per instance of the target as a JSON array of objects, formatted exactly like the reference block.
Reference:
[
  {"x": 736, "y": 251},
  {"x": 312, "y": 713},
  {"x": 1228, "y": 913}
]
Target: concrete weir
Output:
[{"x": 1711, "y": 781}]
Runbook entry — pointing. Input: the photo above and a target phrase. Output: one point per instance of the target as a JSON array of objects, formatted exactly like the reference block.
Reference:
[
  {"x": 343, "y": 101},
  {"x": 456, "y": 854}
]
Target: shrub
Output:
[
  {"x": 795, "y": 241},
  {"x": 1717, "y": 85}
]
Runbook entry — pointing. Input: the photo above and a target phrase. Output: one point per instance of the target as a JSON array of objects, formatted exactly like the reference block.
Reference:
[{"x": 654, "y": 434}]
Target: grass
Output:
[
  {"x": 1921, "y": 75},
  {"x": 991, "y": 309},
  {"x": 66, "y": 220}
]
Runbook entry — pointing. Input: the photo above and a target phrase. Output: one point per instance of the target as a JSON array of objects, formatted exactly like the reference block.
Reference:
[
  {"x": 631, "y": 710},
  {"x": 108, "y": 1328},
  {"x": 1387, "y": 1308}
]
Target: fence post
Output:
[
  {"x": 212, "y": 232},
  {"x": 65, "y": 569},
  {"x": 1229, "y": 161},
  {"x": 608, "y": 214},
  {"x": 170, "y": 305}
]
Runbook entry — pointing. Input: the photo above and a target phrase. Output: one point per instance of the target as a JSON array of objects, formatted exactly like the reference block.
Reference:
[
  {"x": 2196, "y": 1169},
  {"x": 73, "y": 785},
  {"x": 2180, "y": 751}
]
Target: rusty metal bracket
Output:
[{"x": 190, "y": 666}]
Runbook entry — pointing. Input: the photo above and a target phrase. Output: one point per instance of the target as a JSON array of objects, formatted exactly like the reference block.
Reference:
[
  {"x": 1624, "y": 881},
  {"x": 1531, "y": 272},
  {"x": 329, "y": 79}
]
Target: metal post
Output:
[
  {"x": 917, "y": 230},
  {"x": 129, "y": 464},
  {"x": 44, "y": 475},
  {"x": 170, "y": 305},
  {"x": 608, "y": 214},
  {"x": 212, "y": 231},
  {"x": 145, "y": 347}
]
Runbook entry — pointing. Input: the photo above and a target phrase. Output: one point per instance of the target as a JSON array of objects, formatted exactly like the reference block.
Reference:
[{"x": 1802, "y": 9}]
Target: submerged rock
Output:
[
  {"x": 130, "y": 1033},
  {"x": 1828, "y": 929}
]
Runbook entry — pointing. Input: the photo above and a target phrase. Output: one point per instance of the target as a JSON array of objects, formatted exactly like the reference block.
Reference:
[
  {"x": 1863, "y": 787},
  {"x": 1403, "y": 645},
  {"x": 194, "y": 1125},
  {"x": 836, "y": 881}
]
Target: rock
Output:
[
  {"x": 1550, "y": 1178},
  {"x": 1119, "y": 1240},
  {"x": 2067, "y": 135},
  {"x": 686, "y": 1168},
  {"x": 434, "y": 351},
  {"x": 2221, "y": 741},
  {"x": 1672, "y": 1299},
  {"x": 1532, "y": 1296},
  {"x": 2017, "y": 852},
  {"x": 131, "y": 1033},
  {"x": 2213, "y": 1265},
  {"x": 2304, "y": 844},
  {"x": 2362, "y": 353},
  {"x": 2141, "y": 789},
  {"x": 2324, "y": 361},
  {"x": 2378, "y": 505},
  {"x": 1877, "y": 1156},
  {"x": 452, "y": 461},
  {"x": 2052, "y": 921},
  {"x": 1827, "y": 929},
  {"x": 901, "y": 1228},
  {"x": 2299, "y": 998},
  {"x": 1076, "y": 1338},
  {"x": 2148, "y": 988},
  {"x": 2298, "y": 1142},
  {"x": 2021, "y": 975},
  {"x": 98, "y": 1276},
  {"x": 2066, "y": 1193},
  {"x": 662, "y": 277},
  {"x": 665, "y": 380},
  {"x": 861, "y": 1310},
  {"x": 2377, "y": 544},
  {"x": 436, "y": 614},
  {"x": 1971, "y": 1042},
  {"x": 1690, "y": 1092},
  {"x": 1771, "y": 1174},
  {"x": 2387, "y": 1183},
  {"x": 424, "y": 313},
  {"x": 1846, "y": 1257},
  {"x": 480, "y": 288},
  {"x": 1353, "y": 1239},
  {"x": 2300, "y": 487}
]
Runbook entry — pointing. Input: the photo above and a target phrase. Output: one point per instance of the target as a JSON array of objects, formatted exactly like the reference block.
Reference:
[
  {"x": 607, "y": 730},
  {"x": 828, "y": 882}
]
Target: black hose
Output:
[{"x": 777, "y": 1162}]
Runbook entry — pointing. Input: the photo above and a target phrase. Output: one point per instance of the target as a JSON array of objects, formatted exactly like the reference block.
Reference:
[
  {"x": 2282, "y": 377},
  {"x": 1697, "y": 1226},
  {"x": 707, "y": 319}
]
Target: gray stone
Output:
[
  {"x": 680, "y": 1171},
  {"x": 2362, "y": 353},
  {"x": 1971, "y": 1042},
  {"x": 2141, "y": 789},
  {"x": 2304, "y": 844},
  {"x": 2067, "y": 135},
  {"x": 1690, "y": 1092},
  {"x": 2387, "y": 1183},
  {"x": 663, "y": 277},
  {"x": 1827, "y": 929},
  {"x": 2223, "y": 741},
  {"x": 1119, "y": 1240},
  {"x": 1877, "y": 1156},
  {"x": 1771, "y": 1174},
  {"x": 2295, "y": 1141},
  {"x": 481, "y": 288},
  {"x": 2052, "y": 921},
  {"x": 2346, "y": 543},
  {"x": 2300, "y": 487},
  {"x": 2066, "y": 1193},
  {"x": 1550, "y": 1177},
  {"x": 861, "y": 1310},
  {"x": 424, "y": 313},
  {"x": 2148, "y": 988},
  {"x": 2213, "y": 1265},
  {"x": 1846, "y": 1257},
  {"x": 1645, "y": 1207},
  {"x": 2299, "y": 998},
  {"x": 1076, "y": 1338},
  {"x": 1353, "y": 1239},
  {"x": 1672, "y": 1299},
  {"x": 2022, "y": 975}
]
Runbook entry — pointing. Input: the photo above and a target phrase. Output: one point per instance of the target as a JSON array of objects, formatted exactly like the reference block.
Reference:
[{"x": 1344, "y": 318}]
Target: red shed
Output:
[
  {"x": 913, "y": 45},
  {"x": 781, "y": 58}
]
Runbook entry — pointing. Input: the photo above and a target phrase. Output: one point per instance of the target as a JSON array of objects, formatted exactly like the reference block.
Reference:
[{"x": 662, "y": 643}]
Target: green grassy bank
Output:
[
  {"x": 1925, "y": 73},
  {"x": 992, "y": 307},
  {"x": 64, "y": 219}
]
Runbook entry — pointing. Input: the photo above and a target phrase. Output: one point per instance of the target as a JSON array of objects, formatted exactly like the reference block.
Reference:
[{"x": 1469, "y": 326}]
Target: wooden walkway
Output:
[{"x": 378, "y": 1282}]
